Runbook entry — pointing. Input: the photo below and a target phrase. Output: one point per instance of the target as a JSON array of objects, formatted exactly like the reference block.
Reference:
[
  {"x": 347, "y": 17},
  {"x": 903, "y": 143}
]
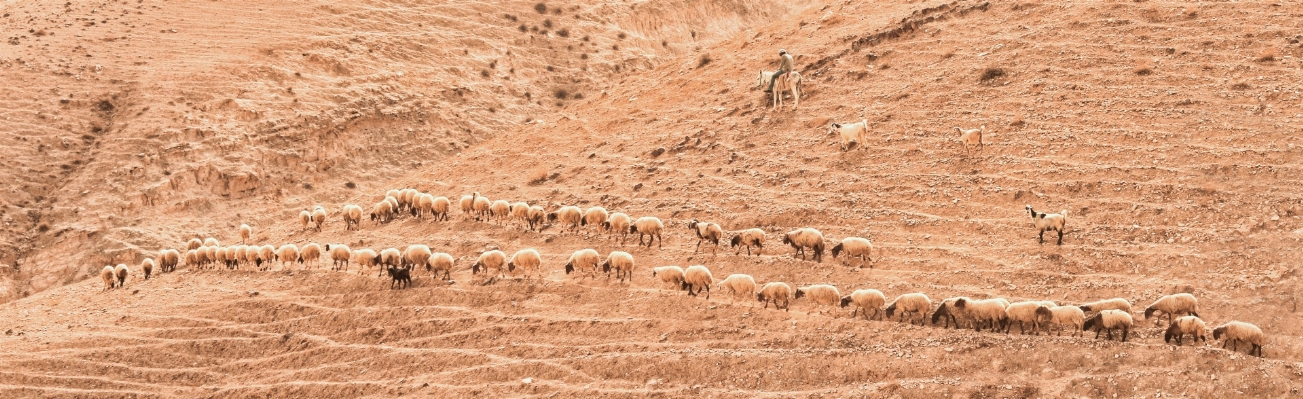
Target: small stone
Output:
[{"x": 527, "y": 381}]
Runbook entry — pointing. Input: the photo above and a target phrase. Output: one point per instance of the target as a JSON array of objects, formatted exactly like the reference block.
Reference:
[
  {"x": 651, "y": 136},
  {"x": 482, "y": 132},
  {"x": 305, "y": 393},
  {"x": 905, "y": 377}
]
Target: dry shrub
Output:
[
  {"x": 991, "y": 73},
  {"x": 561, "y": 94},
  {"x": 350, "y": 185},
  {"x": 563, "y": 32},
  {"x": 705, "y": 59},
  {"x": 1143, "y": 69},
  {"x": 621, "y": 35},
  {"x": 1241, "y": 86},
  {"x": 541, "y": 8},
  {"x": 538, "y": 177},
  {"x": 1266, "y": 55}
]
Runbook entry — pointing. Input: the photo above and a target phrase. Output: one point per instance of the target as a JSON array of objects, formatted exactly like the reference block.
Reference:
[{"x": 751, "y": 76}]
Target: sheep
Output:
[
  {"x": 393, "y": 192},
  {"x": 245, "y": 231},
  {"x": 594, "y": 216},
  {"x": 490, "y": 260},
  {"x": 194, "y": 243},
  {"x": 352, "y": 215},
  {"x": 567, "y": 214},
  {"x": 305, "y": 217},
  {"x": 851, "y": 133},
  {"x": 439, "y": 208},
  {"x": 1068, "y": 316},
  {"x": 402, "y": 277},
  {"x": 481, "y": 206},
  {"x": 750, "y": 238},
  {"x": 583, "y": 261},
  {"x": 390, "y": 257},
  {"x": 854, "y": 247},
  {"x": 422, "y": 203},
  {"x": 266, "y": 254},
  {"x": 536, "y": 216},
  {"x": 212, "y": 242},
  {"x": 394, "y": 205},
  {"x": 339, "y": 254},
  {"x": 1049, "y": 221},
  {"x": 864, "y": 300},
  {"x": 147, "y": 266},
  {"x": 382, "y": 212},
  {"x": 917, "y": 303},
  {"x": 622, "y": 263},
  {"x": 107, "y": 275},
  {"x": 366, "y": 259},
  {"x": 1109, "y": 320},
  {"x": 984, "y": 311},
  {"x": 467, "y": 205},
  {"x": 672, "y": 275},
  {"x": 822, "y": 294},
  {"x": 742, "y": 285},
  {"x": 1171, "y": 305},
  {"x": 407, "y": 197},
  {"x": 971, "y": 137},
  {"x": 696, "y": 278},
  {"x": 414, "y": 255},
  {"x": 949, "y": 313},
  {"x": 1024, "y": 313},
  {"x": 440, "y": 262},
  {"x": 618, "y": 223},
  {"x": 1108, "y": 304},
  {"x": 706, "y": 232},
  {"x": 527, "y": 260},
  {"x": 520, "y": 212},
  {"x": 500, "y": 209},
  {"x": 121, "y": 272},
  {"x": 251, "y": 255},
  {"x": 775, "y": 292},
  {"x": 241, "y": 253},
  {"x": 1192, "y": 325},
  {"x": 805, "y": 238},
  {"x": 651, "y": 227},
  {"x": 167, "y": 260},
  {"x": 1237, "y": 332},
  {"x": 287, "y": 254},
  {"x": 310, "y": 253}
]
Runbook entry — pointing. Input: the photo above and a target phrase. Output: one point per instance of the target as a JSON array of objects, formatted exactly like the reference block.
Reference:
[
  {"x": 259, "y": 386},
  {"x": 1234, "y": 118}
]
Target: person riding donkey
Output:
[{"x": 785, "y": 65}]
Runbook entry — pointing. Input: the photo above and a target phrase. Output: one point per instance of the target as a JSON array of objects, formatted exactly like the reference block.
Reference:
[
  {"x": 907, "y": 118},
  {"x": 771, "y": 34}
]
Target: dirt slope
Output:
[{"x": 1165, "y": 129}]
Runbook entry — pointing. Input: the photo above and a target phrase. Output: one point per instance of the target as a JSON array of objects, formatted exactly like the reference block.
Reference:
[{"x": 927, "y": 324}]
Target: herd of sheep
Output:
[{"x": 994, "y": 314}]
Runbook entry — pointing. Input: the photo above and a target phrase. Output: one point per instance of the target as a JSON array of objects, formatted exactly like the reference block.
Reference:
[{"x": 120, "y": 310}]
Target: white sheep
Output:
[
  {"x": 621, "y": 262},
  {"x": 366, "y": 258},
  {"x": 971, "y": 137},
  {"x": 1049, "y": 222},
  {"x": 416, "y": 255},
  {"x": 568, "y": 214},
  {"x": 266, "y": 254},
  {"x": 245, "y": 232},
  {"x": 500, "y": 210},
  {"x": 194, "y": 243},
  {"x": 212, "y": 242},
  {"x": 594, "y": 217},
  {"x": 491, "y": 262},
  {"x": 305, "y": 217},
  {"x": 527, "y": 260},
  {"x": 1024, "y": 313},
  {"x": 984, "y": 311},
  {"x": 584, "y": 261},
  {"x": 697, "y": 278},
  {"x": 287, "y": 254},
  {"x": 706, "y": 232},
  {"x": 394, "y": 205},
  {"x": 851, "y": 133},
  {"x": 1192, "y": 325},
  {"x": 536, "y": 216},
  {"x": 121, "y": 272},
  {"x": 467, "y": 205},
  {"x": 439, "y": 208},
  {"x": 106, "y": 274},
  {"x": 822, "y": 294},
  {"x": 618, "y": 223},
  {"x": 864, "y": 300},
  {"x": 750, "y": 238},
  {"x": 775, "y": 292},
  {"x": 389, "y": 258},
  {"x": 917, "y": 303},
  {"x": 650, "y": 226},
  {"x": 395, "y": 193},
  {"x": 520, "y": 212},
  {"x": 310, "y": 253},
  {"x": 422, "y": 204},
  {"x": 352, "y": 215},
  {"x": 854, "y": 247},
  {"x": 339, "y": 256},
  {"x": 1237, "y": 332},
  {"x": 1108, "y": 304},
  {"x": 251, "y": 255},
  {"x": 440, "y": 262},
  {"x": 382, "y": 212},
  {"x": 948, "y": 313},
  {"x": 481, "y": 206},
  {"x": 1172, "y": 305},
  {"x": 319, "y": 216},
  {"x": 672, "y": 275},
  {"x": 168, "y": 259},
  {"x": 1068, "y": 316},
  {"x": 1109, "y": 320},
  {"x": 407, "y": 197},
  {"x": 738, "y": 285},
  {"x": 803, "y": 238}
]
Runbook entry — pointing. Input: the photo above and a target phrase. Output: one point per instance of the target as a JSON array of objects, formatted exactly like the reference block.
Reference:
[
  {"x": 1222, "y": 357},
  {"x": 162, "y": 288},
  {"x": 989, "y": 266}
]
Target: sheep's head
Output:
[
  {"x": 511, "y": 266},
  {"x": 737, "y": 240},
  {"x": 760, "y": 297},
  {"x": 800, "y": 293},
  {"x": 833, "y": 128},
  {"x": 551, "y": 216},
  {"x": 570, "y": 267},
  {"x": 1043, "y": 314},
  {"x": 961, "y": 303},
  {"x": 787, "y": 239},
  {"x": 1149, "y": 312},
  {"x": 941, "y": 311},
  {"x": 846, "y": 300},
  {"x": 1173, "y": 331},
  {"x": 693, "y": 224},
  {"x": 1085, "y": 308},
  {"x": 1092, "y": 322},
  {"x": 1217, "y": 332},
  {"x": 891, "y": 309},
  {"x": 475, "y": 268},
  {"x": 606, "y": 266},
  {"x": 836, "y": 250},
  {"x": 633, "y": 229}
]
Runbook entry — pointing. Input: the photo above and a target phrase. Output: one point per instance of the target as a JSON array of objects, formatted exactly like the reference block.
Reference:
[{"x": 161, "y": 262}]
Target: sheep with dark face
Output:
[
  {"x": 339, "y": 256},
  {"x": 697, "y": 278},
  {"x": 1237, "y": 332},
  {"x": 528, "y": 261},
  {"x": 1049, "y": 222},
  {"x": 621, "y": 263},
  {"x": 121, "y": 272},
  {"x": 750, "y": 238},
  {"x": 440, "y": 262},
  {"x": 584, "y": 262},
  {"x": 1025, "y": 313},
  {"x": 618, "y": 223},
  {"x": 1107, "y": 321},
  {"x": 1172, "y": 305},
  {"x": 865, "y": 300},
  {"x": 570, "y": 215},
  {"x": 777, "y": 292},
  {"x": 536, "y": 217},
  {"x": 318, "y": 216},
  {"x": 352, "y": 217},
  {"x": 710, "y": 232},
  {"x": 672, "y": 275},
  {"x": 108, "y": 276},
  {"x": 854, "y": 247},
  {"x": 651, "y": 227},
  {"x": 491, "y": 262},
  {"x": 948, "y": 313},
  {"x": 988, "y": 312},
  {"x": 594, "y": 217},
  {"x": 1191, "y": 325},
  {"x": 803, "y": 238},
  {"x": 916, "y": 303},
  {"x": 481, "y": 206}
]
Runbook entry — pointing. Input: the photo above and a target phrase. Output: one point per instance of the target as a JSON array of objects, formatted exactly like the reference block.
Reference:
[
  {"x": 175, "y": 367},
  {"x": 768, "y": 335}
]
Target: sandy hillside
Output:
[{"x": 1166, "y": 130}]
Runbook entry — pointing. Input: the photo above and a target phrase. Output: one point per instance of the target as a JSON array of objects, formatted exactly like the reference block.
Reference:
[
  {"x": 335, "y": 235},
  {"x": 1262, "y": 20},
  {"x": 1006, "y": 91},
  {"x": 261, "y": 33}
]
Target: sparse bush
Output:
[
  {"x": 585, "y": 37},
  {"x": 621, "y": 35},
  {"x": 578, "y": 96},
  {"x": 562, "y": 94},
  {"x": 704, "y": 60},
  {"x": 493, "y": 64},
  {"x": 1241, "y": 86},
  {"x": 563, "y": 33},
  {"x": 307, "y": 186},
  {"x": 509, "y": 16},
  {"x": 1267, "y": 55},
  {"x": 541, "y": 8},
  {"x": 484, "y": 73},
  {"x": 615, "y": 47},
  {"x": 550, "y": 68},
  {"x": 1144, "y": 70},
  {"x": 583, "y": 56},
  {"x": 524, "y": 28},
  {"x": 665, "y": 43},
  {"x": 992, "y": 73},
  {"x": 547, "y": 23},
  {"x": 350, "y": 185}
]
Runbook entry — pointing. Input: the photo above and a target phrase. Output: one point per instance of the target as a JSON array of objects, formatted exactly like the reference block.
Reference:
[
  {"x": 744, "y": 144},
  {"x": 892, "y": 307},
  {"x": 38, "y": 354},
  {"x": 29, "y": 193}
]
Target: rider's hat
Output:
[{"x": 782, "y": 51}]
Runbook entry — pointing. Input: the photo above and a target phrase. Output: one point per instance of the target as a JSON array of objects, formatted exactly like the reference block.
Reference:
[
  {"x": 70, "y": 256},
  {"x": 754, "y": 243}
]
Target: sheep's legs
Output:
[
  {"x": 1042, "y": 236},
  {"x": 1060, "y": 237}
]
